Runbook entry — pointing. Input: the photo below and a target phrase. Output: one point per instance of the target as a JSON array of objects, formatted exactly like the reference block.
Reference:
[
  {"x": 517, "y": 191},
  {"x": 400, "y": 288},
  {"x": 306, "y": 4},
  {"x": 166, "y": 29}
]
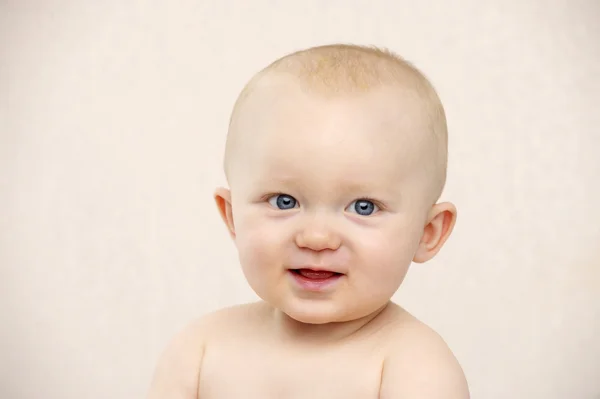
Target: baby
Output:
[{"x": 336, "y": 159}]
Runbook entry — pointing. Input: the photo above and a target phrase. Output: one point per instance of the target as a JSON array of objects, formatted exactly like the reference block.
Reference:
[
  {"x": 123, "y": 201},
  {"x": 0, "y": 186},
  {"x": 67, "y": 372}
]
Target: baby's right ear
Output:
[{"x": 223, "y": 199}]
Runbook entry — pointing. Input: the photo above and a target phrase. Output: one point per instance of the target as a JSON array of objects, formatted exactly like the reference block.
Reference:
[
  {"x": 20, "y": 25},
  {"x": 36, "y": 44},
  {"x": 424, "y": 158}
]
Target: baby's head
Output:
[{"x": 335, "y": 158}]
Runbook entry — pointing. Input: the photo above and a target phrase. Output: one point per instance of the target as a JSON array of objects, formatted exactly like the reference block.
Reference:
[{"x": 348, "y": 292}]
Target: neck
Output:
[{"x": 326, "y": 333}]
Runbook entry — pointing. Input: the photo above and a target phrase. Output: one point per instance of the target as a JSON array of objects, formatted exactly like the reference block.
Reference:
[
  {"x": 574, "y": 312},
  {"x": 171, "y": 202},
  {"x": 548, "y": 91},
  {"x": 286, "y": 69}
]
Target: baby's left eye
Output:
[{"x": 363, "y": 207}]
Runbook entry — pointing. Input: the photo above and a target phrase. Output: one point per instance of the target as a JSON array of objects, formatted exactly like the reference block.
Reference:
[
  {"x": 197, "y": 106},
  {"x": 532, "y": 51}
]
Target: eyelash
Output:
[
  {"x": 265, "y": 198},
  {"x": 374, "y": 201}
]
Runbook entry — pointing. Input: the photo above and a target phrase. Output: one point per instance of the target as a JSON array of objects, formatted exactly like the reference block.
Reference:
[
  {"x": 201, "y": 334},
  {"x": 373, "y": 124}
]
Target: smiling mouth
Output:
[
  {"x": 315, "y": 274},
  {"x": 315, "y": 281}
]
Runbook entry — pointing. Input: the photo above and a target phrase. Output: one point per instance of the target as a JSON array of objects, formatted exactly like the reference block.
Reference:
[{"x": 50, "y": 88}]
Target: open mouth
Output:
[
  {"x": 315, "y": 280},
  {"x": 315, "y": 274}
]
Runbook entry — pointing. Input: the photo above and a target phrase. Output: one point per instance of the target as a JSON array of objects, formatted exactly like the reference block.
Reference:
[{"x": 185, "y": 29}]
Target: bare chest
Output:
[{"x": 261, "y": 372}]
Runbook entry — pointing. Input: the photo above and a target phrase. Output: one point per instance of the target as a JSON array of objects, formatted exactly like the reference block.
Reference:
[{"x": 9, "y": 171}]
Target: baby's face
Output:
[{"x": 334, "y": 185}]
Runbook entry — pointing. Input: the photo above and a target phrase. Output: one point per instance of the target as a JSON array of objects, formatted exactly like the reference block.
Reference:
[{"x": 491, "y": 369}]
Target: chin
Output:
[
  {"x": 309, "y": 317},
  {"x": 317, "y": 312}
]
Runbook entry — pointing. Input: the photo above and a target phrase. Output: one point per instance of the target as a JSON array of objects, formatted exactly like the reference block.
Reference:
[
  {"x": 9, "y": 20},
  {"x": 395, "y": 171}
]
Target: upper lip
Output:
[{"x": 318, "y": 268}]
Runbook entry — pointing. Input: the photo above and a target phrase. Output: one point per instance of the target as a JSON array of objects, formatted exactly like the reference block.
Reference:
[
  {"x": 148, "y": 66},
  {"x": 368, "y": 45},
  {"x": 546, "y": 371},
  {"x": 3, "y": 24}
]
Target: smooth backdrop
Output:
[{"x": 113, "y": 117}]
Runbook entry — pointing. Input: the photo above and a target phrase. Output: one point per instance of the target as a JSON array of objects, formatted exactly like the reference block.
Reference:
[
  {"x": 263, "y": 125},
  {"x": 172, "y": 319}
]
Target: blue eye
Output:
[
  {"x": 283, "y": 201},
  {"x": 363, "y": 207}
]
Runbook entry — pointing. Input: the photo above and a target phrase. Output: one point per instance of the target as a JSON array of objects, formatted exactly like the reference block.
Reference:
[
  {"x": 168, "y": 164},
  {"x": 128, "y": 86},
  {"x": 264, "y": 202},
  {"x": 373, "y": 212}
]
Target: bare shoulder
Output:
[
  {"x": 419, "y": 364},
  {"x": 177, "y": 372}
]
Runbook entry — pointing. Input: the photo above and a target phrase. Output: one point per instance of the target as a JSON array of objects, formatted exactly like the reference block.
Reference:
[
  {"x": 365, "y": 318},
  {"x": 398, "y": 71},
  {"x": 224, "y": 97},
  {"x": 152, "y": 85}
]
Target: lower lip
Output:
[{"x": 311, "y": 284}]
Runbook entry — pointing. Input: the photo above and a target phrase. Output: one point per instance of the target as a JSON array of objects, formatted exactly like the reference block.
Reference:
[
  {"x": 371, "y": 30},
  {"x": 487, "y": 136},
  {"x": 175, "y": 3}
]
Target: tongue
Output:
[{"x": 317, "y": 275}]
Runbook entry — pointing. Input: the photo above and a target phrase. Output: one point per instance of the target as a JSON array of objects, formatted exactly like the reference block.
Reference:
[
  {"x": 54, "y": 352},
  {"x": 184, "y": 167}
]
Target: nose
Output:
[{"x": 318, "y": 236}]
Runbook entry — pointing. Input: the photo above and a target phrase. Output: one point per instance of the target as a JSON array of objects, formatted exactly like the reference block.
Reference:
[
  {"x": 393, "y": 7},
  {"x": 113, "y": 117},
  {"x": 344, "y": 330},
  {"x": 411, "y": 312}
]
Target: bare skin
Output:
[
  {"x": 297, "y": 199},
  {"x": 237, "y": 353}
]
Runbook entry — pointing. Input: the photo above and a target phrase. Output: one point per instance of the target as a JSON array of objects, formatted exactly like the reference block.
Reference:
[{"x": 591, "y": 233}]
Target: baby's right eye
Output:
[{"x": 283, "y": 201}]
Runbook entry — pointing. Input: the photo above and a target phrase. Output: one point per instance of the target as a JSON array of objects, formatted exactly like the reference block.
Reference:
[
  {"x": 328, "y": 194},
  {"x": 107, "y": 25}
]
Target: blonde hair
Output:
[{"x": 342, "y": 69}]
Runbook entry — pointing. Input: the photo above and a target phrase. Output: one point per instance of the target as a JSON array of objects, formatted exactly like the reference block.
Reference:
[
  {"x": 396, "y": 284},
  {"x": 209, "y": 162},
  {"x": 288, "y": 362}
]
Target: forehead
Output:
[{"x": 291, "y": 131}]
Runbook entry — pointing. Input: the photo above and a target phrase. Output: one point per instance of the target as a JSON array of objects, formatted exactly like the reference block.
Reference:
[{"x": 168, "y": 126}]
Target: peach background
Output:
[{"x": 112, "y": 125}]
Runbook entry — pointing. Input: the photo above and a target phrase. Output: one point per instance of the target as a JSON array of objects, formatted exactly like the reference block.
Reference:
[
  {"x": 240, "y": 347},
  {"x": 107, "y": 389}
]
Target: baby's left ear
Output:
[{"x": 440, "y": 222}]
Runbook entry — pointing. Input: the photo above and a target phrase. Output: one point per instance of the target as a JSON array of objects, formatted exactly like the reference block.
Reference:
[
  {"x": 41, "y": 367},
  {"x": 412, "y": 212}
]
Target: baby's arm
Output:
[
  {"x": 178, "y": 370},
  {"x": 421, "y": 366}
]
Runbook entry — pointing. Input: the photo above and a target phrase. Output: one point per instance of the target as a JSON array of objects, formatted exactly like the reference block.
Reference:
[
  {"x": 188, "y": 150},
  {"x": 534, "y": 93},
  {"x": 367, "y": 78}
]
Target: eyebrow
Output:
[
  {"x": 343, "y": 187},
  {"x": 383, "y": 193}
]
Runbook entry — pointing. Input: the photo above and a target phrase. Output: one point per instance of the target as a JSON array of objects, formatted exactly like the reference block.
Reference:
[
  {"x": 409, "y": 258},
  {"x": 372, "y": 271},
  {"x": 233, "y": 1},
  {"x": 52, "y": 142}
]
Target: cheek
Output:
[
  {"x": 387, "y": 254},
  {"x": 259, "y": 242}
]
